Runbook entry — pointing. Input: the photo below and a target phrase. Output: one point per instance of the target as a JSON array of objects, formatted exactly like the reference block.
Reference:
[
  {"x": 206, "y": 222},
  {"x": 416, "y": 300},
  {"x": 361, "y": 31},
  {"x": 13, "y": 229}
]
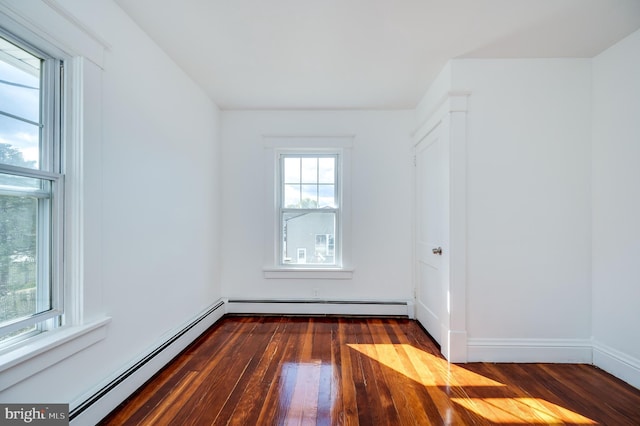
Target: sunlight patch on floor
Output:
[
  {"x": 427, "y": 369},
  {"x": 522, "y": 410},
  {"x": 430, "y": 370}
]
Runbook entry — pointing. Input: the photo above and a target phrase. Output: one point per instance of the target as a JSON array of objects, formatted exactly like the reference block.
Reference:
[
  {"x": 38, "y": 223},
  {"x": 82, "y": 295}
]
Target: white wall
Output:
[
  {"x": 616, "y": 208},
  {"x": 381, "y": 200},
  {"x": 528, "y": 197},
  {"x": 528, "y": 205},
  {"x": 439, "y": 87},
  {"x": 159, "y": 198}
]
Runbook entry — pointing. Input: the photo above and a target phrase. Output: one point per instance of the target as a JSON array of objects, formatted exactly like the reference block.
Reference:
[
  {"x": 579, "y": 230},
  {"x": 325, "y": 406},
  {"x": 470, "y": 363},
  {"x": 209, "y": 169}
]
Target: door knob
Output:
[{"x": 437, "y": 250}]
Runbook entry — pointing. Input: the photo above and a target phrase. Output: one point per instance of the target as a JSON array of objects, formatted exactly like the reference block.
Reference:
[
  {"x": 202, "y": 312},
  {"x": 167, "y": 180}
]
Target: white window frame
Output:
[
  {"x": 50, "y": 216},
  {"x": 84, "y": 323},
  {"x": 275, "y": 146}
]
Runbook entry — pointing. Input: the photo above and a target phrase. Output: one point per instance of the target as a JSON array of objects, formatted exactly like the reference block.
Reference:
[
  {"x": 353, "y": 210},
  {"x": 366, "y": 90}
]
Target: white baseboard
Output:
[
  {"x": 95, "y": 405},
  {"x": 619, "y": 364},
  {"x": 320, "y": 307},
  {"x": 530, "y": 350}
]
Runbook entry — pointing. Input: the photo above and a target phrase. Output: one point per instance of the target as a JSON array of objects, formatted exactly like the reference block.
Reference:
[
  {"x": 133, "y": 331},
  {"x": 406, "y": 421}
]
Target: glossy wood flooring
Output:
[{"x": 330, "y": 371}]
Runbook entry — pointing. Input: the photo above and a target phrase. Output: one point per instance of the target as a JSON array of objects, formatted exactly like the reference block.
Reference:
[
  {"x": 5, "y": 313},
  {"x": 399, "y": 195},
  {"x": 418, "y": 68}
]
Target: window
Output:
[
  {"x": 31, "y": 191},
  {"x": 309, "y": 210},
  {"x": 308, "y": 207}
]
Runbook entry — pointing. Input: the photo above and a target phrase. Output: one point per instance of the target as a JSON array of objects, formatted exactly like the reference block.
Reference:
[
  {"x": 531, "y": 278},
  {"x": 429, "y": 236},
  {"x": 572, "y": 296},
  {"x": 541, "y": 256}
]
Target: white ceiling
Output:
[{"x": 364, "y": 54}]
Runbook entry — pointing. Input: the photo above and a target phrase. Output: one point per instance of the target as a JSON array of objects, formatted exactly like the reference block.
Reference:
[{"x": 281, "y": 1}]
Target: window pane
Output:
[
  {"x": 311, "y": 233},
  {"x": 19, "y": 143},
  {"x": 291, "y": 196},
  {"x": 327, "y": 196},
  {"x": 309, "y": 170},
  {"x": 23, "y": 184},
  {"x": 327, "y": 169},
  {"x": 309, "y": 197},
  {"x": 14, "y": 334},
  {"x": 291, "y": 170},
  {"x": 321, "y": 244},
  {"x": 19, "y": 82},
  {"x": 20, "y": 98},
  {"x": 18, "y": 259}
]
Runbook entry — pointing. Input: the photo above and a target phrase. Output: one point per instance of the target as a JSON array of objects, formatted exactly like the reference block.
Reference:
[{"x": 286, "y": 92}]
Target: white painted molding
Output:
[
  {"x": 307, "y": 141},
  {"x": 619, "y": 364},
  {"x": 47, "y": 349},
  {"x": 309, "y": 274},
  {"x": 577, "y": 351},
  {"x": 53, "y": 23},
  {"x": 452, "y": 101},
  {"x": 62, "y": 11},
  {"x": 92, "y": 407},
  {"x": 320, "y": 307}
]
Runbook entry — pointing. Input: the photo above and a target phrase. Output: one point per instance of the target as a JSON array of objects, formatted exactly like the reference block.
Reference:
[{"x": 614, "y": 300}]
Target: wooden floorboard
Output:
[{"x": 353, "y": 371}]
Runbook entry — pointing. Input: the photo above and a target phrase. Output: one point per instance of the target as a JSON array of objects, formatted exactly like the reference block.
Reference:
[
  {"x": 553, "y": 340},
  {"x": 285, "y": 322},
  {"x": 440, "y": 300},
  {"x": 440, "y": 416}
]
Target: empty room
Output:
[{"x": 319, "y": 212}]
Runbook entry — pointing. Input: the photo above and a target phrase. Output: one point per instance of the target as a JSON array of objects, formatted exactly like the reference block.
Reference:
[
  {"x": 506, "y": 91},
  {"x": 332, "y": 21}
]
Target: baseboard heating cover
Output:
[
  {"x": 402, "y": 308},
  {"x": 91, "y": 408}
]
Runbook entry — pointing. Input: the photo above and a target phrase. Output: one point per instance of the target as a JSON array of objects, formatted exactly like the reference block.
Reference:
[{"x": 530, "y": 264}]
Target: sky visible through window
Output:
[
  {"x": 309, "y": 182},
  {"x": 20, "y": 105}
]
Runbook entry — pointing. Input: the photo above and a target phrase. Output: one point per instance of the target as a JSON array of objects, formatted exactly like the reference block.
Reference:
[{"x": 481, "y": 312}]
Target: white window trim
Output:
[
  {"x": 274, "y": 145},
  {"x": 48, "y": 348},
  {"x": 49, "y": 25}
]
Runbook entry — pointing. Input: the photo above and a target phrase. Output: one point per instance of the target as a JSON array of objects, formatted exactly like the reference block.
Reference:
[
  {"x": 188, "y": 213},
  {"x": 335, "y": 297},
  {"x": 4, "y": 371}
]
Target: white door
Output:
[{"x": 431, "y": 184}]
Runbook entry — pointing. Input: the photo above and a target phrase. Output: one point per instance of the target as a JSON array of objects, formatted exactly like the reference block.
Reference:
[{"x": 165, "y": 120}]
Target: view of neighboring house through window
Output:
[
  {"x": 30, "y": 191},
  {"x": 309, "y": 208}
]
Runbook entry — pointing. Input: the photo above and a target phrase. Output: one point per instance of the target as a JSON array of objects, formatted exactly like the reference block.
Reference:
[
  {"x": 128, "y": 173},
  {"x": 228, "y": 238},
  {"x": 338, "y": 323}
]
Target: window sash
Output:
[
  {"x": 301, "y": 182},
  {"x": 50, "y": 202},
  {"x": 309, "y": 240},
  {"x": 49, "y": 246},
  {"x": 283, "y": 210}
]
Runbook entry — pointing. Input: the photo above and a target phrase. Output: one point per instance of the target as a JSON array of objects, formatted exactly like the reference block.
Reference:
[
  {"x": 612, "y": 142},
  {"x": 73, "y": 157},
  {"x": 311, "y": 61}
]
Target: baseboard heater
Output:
[
  {"x": 159, "y": 357},
  {"x": 403, "y": 308}
]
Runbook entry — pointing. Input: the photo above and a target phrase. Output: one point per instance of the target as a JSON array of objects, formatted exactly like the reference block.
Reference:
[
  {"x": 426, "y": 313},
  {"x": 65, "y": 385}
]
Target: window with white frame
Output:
[
  {"x": 309, "y": 209},
  {"x": 31, "y": 190}
]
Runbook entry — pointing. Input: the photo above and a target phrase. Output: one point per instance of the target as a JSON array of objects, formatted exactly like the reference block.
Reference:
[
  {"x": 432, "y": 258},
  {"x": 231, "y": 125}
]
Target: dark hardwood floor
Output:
[{"x": 335, "y": 371}]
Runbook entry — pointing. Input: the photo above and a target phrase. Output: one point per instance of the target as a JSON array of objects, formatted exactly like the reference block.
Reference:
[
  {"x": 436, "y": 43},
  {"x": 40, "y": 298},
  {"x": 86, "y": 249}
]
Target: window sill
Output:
[
  {"x": 309, "y": 273},
  {"x": 48, "y": 348}
]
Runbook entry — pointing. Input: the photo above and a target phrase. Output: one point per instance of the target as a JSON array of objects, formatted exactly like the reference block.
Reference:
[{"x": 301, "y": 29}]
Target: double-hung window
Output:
[
  {"x": 31, "y": 185},
  {"x": 309, "y": 209}
]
